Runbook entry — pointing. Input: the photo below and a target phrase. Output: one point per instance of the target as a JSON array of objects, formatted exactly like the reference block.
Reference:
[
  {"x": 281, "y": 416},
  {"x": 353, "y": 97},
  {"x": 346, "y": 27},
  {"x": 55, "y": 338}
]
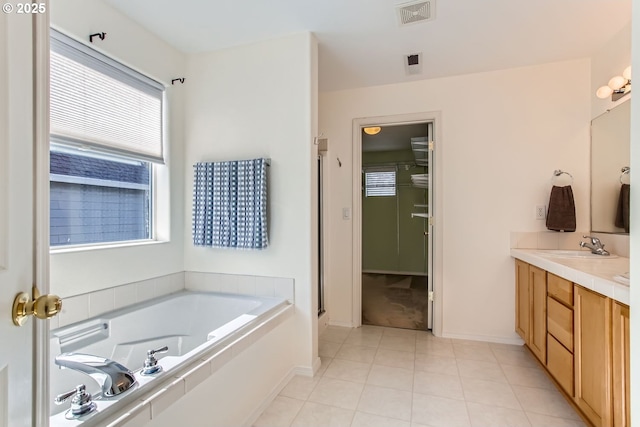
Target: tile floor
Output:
[{"x": 375, "y": 376}]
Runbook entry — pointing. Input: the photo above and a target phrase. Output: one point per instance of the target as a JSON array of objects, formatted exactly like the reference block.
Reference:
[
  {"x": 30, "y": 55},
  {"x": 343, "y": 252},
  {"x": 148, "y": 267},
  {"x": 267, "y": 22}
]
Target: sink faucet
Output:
[
  {"x": 112, "y": 377},
  {"x": 596, "y": 246}
]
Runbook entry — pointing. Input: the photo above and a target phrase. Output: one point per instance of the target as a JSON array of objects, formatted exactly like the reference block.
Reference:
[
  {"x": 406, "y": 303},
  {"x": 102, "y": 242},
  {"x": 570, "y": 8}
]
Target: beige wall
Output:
[
  {"x": 258, "y": 101},
  {"x": 503, "y": 134}
]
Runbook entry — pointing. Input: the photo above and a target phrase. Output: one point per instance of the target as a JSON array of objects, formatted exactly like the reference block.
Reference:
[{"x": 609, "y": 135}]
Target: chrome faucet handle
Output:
[
  {"x": 81, "y": 403},
  {"x": 594, "y": 240},
  {"x": 151, "y": 366}
]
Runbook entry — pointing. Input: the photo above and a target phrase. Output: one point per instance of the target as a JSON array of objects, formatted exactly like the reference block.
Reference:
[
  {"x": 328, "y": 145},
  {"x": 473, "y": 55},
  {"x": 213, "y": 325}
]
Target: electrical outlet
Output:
[{"x": 541, "y": 211}]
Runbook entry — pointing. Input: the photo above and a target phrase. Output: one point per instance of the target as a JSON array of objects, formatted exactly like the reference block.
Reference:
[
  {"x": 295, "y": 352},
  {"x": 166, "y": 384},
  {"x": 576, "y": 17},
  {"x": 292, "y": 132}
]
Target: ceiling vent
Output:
[
  {"x": 415, "y": 11},
  {"x": 413, "y": 64}
]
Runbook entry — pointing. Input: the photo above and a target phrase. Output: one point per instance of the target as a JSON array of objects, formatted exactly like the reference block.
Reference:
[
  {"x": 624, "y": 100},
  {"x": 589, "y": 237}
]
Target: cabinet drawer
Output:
[
  {"x": 560, "y": 364},
  {"x": 560, "y": 322},
  {"x": 561, "y": 289}
]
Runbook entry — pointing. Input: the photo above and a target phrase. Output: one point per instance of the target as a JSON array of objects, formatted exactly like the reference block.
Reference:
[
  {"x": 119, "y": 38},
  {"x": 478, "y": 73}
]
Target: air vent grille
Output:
[{"x": 410, "y": 13}]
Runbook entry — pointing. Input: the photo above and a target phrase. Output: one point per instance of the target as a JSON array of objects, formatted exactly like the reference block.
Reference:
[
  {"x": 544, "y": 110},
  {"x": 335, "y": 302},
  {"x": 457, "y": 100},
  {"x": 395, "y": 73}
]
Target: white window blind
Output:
[
  {"x": 98, "y": 103},
  {"x": 380, "y": 183}
]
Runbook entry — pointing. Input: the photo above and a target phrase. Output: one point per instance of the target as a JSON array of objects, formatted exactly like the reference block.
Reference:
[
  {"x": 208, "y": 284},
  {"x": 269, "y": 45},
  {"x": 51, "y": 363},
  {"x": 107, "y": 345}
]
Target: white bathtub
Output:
[{"x": 194, "y": 325}]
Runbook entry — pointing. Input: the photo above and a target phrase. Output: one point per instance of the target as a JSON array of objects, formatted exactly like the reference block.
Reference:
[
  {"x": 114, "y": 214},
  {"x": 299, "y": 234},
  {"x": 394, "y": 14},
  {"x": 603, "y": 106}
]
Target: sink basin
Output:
[{"x": 573, "y": 254}]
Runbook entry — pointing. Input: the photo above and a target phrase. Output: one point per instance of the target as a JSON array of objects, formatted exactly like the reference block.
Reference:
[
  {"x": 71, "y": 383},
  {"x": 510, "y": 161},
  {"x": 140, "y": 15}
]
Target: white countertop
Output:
[{"x": 594, "y": 273}]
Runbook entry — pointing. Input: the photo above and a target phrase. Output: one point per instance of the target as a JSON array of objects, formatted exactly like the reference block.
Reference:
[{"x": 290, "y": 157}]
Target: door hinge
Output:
[
  {"x": 431, "y": 296},
  {"x": 431, "y": 145},
  {"x": 431, "y": 221}
]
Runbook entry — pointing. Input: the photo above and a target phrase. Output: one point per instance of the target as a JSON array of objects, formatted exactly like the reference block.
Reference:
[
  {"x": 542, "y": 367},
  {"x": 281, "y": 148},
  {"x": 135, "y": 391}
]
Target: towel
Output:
[
  {"x": 622, "y": 214},
  {"x": 561, "y": 215}
]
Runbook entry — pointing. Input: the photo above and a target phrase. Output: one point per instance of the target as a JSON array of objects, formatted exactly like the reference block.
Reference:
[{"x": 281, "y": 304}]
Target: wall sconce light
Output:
[
  {"x": 372, "y": 130},
  {"x": 617, "y": 87}
]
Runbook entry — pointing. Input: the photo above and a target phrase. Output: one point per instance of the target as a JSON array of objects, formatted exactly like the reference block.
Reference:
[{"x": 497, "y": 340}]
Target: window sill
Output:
[{"x": 116, "y": 245}]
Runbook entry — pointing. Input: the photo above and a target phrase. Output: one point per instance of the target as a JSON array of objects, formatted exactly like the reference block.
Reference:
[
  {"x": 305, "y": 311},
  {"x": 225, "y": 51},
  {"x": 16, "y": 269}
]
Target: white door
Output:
[{"x": 17, "y": 269}]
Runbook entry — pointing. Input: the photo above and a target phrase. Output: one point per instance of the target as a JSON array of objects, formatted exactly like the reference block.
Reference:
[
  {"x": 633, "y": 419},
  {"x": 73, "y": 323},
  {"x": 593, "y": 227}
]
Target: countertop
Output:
[{"x": 594, "y": 273}]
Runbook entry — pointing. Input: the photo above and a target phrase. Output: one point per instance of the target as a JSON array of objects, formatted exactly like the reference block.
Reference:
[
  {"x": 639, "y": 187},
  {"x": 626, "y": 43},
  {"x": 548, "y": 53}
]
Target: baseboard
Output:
[
  {"x": 342, "y": 324},
  {"x": 403, "y": 273},
  {"x": 484, "y": 338},
  {"x": 253, "y": 417}
]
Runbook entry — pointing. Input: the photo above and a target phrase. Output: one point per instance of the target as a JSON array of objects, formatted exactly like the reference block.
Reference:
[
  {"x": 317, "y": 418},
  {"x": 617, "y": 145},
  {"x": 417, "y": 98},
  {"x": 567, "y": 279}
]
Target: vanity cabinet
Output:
[
  {"x": 592, "y": 350},
  {"x": 620, "y": 365},
  {"x": 531, "y": 307},
  {"x": 560, "y": 331}
]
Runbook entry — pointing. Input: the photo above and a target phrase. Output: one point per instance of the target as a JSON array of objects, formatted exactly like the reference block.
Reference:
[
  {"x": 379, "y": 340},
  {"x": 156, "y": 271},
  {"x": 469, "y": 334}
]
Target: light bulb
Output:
[
  {"x": 627, "y": 73},
  {"x": 604, "y": 92},
  {"x": 617, "y": 82},
  {"x": 374, "y": 130}
]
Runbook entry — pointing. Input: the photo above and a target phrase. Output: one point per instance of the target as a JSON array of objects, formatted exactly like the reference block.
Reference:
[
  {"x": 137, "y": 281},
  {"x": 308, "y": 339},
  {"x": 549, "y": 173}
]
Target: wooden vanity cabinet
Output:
[
  {"x": 620, "y": 365},
  {"x": 592, "y": 352},
  {"x": 531, "y": 307},
  {"x": 560, "y": 331}
]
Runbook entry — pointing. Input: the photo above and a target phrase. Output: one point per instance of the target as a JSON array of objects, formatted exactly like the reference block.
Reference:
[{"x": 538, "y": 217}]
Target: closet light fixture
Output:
[
  {"x": 374, "y": 130},
  {"x": 617, "y": 87}
]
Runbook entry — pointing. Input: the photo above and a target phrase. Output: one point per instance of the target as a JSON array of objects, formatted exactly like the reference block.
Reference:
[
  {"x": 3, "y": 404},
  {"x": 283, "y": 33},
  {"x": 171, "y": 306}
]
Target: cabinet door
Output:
[
  {"x": 592, "y": 354},
  {"x": 522, "y": 299},
  {"x": 620, "y": 365},
  {"x": 538, "y": 307}
]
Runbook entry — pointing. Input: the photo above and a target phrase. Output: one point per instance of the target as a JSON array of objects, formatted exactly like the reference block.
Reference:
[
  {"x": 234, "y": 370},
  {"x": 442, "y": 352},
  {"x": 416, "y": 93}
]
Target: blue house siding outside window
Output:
[{"x": 98, "y": 200}]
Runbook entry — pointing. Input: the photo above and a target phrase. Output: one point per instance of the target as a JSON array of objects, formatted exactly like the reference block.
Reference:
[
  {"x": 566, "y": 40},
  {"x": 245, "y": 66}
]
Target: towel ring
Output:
[
  {"x": 625, "y": 171},
  {"x": 558, "y": 172}
]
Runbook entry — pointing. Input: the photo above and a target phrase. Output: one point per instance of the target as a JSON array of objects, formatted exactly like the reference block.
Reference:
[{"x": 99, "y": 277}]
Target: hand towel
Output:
[
  {"x": 561, "y": 215},
  {"x": 622, "y": 215}
]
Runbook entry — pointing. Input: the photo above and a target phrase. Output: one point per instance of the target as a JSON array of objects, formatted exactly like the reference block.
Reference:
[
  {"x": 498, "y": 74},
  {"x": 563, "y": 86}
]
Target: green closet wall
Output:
[{"x": 392, "y": 241}]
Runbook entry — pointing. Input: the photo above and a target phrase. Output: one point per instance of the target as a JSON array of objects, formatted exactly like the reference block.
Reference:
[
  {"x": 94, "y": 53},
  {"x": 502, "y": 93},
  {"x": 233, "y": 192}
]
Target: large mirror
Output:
[{"x": 610, "y": 173}]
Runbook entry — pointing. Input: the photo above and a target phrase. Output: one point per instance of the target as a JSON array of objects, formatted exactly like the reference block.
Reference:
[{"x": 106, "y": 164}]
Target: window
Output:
[
  {"x": 380, "y": 182},
  {"x": 106, "y": 136}
]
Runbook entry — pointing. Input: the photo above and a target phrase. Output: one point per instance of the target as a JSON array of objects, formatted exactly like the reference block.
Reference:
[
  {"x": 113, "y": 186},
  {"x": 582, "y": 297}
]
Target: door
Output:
[
  {"x": 429, "y": 224},
  {"x": 16, "y": 216}
]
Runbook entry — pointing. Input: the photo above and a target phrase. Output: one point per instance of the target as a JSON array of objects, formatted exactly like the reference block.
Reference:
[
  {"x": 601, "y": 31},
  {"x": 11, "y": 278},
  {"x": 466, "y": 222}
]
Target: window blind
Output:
[
  {"x": 98, "y": 103},
  {"x": 380, "y": 183}
]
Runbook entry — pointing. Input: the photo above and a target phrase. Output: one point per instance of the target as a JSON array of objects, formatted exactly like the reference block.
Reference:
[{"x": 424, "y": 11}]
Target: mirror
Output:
[{"x": 610, "y": 154}]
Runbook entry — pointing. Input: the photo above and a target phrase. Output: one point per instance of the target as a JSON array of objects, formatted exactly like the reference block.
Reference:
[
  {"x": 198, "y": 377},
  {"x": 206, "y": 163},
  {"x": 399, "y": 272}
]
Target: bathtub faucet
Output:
[{"x": 112, "y": 377}]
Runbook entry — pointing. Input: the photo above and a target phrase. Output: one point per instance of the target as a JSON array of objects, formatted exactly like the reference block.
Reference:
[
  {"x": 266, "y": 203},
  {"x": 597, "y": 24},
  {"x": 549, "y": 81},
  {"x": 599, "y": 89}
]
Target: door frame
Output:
[
  {"x": 41, "y": 24},
  {"x": 437, "y": 211}
]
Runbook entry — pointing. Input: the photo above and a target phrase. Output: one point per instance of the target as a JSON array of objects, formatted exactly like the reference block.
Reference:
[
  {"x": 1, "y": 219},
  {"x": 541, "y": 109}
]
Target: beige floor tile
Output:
[
  {"x": 318, "y": 415},
  {"x": 435, "y": 348},
  {"x": 545, "y": 402},
  {"x": 482, "y": 370},
  {"x": 363, "y": 419},
  {"x": 369, "y": 339},
  {"x": 515, "y": 358},
  {"x": 348, "y": 370},
  {"x": 394, "y": 358},
  {"x": 398, "y": 343},
  {"x": 387, "y": 376},
  {"x": 460, "y": 342},
  {"x": 547, "y": 421},
  {"x": 494, "y": 416},
  {"x": 300, "y": 387},
  {"x": 334, "y": 392},
  {"x": 398, "y": 332},
  {"x": 386, "y": 402},
  {"x": 335, "y": 334},
  {"x": 439, "y": 411},
  {"x": 280, "y": 413},
  {"x": 509, "y": 347},
  {"x": 489, "y": 393},
  {"x": 356, "y": 353},
  {"x": 435, "y": 384},
  {"x": 436, "y": 364},
  {"x": 473, "y": 352},
  {"x": 528, "y": 377},
  {"x": 328, "y": 348},
  {"x": 324, "y": 363}
]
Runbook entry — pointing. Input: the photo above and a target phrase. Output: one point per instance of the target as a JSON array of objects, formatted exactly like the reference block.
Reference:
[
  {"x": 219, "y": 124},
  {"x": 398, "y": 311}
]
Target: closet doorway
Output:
[{"x": 395, "y": 225}]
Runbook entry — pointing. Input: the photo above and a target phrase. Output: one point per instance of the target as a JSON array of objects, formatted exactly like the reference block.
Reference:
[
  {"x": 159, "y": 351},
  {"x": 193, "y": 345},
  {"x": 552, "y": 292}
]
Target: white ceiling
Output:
[{"x": 361, "y": 44}]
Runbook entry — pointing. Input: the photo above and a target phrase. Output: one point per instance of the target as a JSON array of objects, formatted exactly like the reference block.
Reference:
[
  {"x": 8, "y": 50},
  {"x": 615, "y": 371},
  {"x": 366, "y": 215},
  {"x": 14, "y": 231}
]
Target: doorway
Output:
[{"x": 395, "y": 225}]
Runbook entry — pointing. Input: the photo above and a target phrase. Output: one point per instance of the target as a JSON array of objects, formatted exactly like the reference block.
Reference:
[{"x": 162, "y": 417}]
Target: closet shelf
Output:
[{"x": 418, "y": 214}]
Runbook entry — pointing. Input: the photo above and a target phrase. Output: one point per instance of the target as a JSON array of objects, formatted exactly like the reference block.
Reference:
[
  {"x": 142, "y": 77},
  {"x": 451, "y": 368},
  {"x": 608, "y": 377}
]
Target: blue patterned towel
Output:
[{"x": 230, "y": 204}]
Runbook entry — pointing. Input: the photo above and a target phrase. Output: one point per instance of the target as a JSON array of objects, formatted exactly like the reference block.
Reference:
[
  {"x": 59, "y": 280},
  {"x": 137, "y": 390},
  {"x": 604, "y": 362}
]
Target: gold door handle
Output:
[{"x": 41, "y": 306}]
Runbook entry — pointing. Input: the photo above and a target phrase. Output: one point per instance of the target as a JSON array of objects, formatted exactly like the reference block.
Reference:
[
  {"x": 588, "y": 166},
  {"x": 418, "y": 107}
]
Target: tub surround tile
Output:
[
  {"x": 264, "y": 286},
  {"x": 74, "y": 309},
  {"x": 319, "y": 415},
  {"x": 229, "y": 283},
  {"x": 197, "y": 375},
  {"x": 136, "y": 417},
  {"x": 101, "y": 302},
  {"x": 284, "y": 288},
  {"x": 163, "y": 399},
  {"x": 247, "y": 285},
  {"x": 124, "y": 296},
  {"x": 145, "y": 290}
]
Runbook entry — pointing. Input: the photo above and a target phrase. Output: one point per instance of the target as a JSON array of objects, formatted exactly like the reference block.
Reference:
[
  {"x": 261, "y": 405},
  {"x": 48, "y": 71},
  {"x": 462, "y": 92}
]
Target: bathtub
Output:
[{"x": 195, "y": 326}]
